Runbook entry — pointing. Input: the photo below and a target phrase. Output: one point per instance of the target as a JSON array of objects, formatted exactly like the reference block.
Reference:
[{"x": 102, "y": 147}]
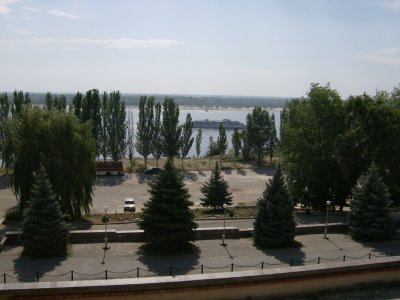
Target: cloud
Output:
[
  {"x": 32, "y": 9},
  {"x": 60, "y": 13},
  {"x": 121, "y": 43},
  {"x": 4, "y": 9},
  {"x": 393, "y": 5},
  {"x": 388, "y": 56}
]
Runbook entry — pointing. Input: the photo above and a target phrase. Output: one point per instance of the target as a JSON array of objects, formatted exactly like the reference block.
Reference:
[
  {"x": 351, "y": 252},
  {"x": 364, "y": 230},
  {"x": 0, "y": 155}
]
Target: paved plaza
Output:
[{"x": 131, "y": 259}]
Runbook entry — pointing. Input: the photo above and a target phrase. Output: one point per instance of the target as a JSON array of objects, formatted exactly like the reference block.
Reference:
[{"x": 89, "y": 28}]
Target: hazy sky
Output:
[{"x": 211, "y": 47}]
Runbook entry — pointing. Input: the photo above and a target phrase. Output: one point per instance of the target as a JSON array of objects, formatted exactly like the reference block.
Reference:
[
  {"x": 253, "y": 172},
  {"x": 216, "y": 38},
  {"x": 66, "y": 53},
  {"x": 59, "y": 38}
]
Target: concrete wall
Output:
[
  {"x": 95, "y": 236},
  {"x": 235, "y": 285}
]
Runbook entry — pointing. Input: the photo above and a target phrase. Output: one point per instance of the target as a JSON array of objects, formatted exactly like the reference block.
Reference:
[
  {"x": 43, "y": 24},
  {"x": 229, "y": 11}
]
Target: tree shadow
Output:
[
  {"x": 160, "y": 262},
  {"x": 192, "y": 176},
  {"x": 5, "y": 182},
  {"x": 268, "y": 171},
  {"x": 111, "y": 180},
  {"x": 29, "y": 269},
  {"x": 291, "y": 255},
  {"x": 201, "y": 173},
  {"x": 241, "y": 172},
  {"x": 389, "y": 247},
  {"x": 144, "y": 178},
  {"x": 227, "y": 171}
]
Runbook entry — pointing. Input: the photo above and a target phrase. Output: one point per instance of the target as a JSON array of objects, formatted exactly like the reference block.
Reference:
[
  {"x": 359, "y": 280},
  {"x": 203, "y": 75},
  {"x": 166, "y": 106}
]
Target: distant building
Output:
[{"x": 109, "y": 168}]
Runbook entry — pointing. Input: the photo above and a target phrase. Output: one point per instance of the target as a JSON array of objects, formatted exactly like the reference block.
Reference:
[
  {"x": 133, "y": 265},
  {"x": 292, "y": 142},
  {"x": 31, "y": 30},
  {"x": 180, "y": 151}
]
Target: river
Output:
[{"x": 213, "y": 115}]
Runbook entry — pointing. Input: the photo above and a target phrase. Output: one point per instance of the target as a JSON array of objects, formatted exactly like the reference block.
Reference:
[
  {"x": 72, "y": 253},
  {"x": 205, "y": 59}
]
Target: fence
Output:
[{"x": 172, "y": 271}]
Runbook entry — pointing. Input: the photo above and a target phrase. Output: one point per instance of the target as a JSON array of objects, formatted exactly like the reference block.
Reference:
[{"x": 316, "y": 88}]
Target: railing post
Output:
[
  {"x": 344, "y": 257},
  {"x": 72, "y": 275},
  {"x": 231, "y": 267},
  {"x": 369, "y": 255},
  {"x": 202, "y": 269},
  {"x": 4, "y": 277},
  {"x": 319, "y": 259},
  {"x": 170, "y": 271},
  {"x": 291, "y": 262},
  {"x": 262, "y": 265},
  {"x": 137, "y": 272},
  {"x": 37, "y": 276},
  {"x": 106, "y": 274}
]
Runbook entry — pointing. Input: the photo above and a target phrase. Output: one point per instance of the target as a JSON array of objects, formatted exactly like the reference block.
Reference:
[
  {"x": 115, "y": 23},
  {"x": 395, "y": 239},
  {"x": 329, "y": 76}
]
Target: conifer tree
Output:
[
  {"x": 274, "y": 224},
  {"x": 369, "y": 218},
  {"x": 166, "y": 218},
  {"x": 215, "y": 190},
  {"x": 44, "y": 233}
]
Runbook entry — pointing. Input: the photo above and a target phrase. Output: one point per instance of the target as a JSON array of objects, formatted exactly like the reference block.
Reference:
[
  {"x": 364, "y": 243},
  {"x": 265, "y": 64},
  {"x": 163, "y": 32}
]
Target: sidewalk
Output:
[{"x": 209, "y": 256}]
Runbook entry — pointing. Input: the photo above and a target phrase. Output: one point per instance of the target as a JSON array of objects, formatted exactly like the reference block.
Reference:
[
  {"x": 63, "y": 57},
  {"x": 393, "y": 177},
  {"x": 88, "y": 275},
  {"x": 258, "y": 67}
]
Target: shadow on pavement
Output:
[
  {"x": 268, "y": 171},
  {"x": 168, "y": 264},
  {"x": 110, "y": 180},
  {"x": 144, "y": 178},
  {"x": 291, "y": 256},
  {"x": 29, "y": 269},
  {"x": 192, "y": 176},
  {"x": 227, "y": 171},
  {"x": 5, "y": 182},
  {"x": 201, "y": 173},
  {"x": 383, "y": 248},
  {"x": 241, "y": 172}
]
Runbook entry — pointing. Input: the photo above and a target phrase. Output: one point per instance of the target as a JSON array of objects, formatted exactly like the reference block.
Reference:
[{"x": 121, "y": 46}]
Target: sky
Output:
[{"x": 204, "y": 47}]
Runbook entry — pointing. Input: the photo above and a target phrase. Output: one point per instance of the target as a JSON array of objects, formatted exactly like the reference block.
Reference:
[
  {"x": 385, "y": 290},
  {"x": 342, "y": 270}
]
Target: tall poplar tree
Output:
[
  {"x": 258, "y": 128},
  {"x": 274, "y": 224},
  {"x": 272, "y": 143},
  {"x": 44, "y": 233},
  {"x": 222, "y": 142},
  {"x": 236, "y": 143},
  {"x": 199, "y": 138},
  {"x": 19, "y": 101},
  {"x": 166, "y": 218},
  {"x": 186, "y": 141},
  {"x": 116, "y": 126},
  {"x": 144, "y": 132},
  {"x": 157, "y": 144},
  {"x": 91, "y": 108},
  {"x": 4, "y": 115},
  {"x": 170, "y": 130}
]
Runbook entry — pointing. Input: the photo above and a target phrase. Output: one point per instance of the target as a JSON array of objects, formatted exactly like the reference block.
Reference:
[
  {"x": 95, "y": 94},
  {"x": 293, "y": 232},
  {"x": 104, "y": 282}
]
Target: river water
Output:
[{"x": 213, "y": 115}]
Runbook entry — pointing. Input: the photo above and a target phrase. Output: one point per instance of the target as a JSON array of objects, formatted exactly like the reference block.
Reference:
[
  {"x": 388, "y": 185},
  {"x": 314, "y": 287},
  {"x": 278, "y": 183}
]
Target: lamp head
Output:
[{"x": 328, "y": 202}]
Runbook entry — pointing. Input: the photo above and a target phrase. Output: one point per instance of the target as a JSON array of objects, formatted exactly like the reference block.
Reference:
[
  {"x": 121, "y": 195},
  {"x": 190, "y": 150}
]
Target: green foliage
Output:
[
  {"x": 166, "y": 218},
  {"x": 222, "y": 142},
  {"x": 272, "y": 143},
  {"x": 129, "y": 140},
  {"x": 19, "y": 102},
  {"x": 4, "y": 115},
  {"x": 55, "y": 102},
  {"x": 144, "y": 133},
  {"x": 259, "y": 131},
  {"x": 64, "y": 147},
  {"x": 246, "y": 146},
  {"x": 186, "y": 140},
  {"x": 77, "y": 105},
  {"x": 236, "y": 142},
  {"x": 13, "y": 215},
  {"x": 212, "y": 147},
  {"x": 171, "y": 130},
  {"x": 216, "y": 190},
  {"x": 44, "y": 233},
  {"x": 310, "y": 127},
  {"x": 370, "y": 212},
  {"x": 199, "y": 138},
  {"x": 157, "y": 144},
  {"x": 274, "y": 224},
  {"x": 91, "y": 108}
]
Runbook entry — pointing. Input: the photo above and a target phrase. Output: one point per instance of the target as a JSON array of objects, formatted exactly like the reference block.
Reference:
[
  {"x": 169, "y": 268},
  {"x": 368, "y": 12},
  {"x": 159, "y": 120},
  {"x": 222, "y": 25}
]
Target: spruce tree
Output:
[
  {"x": 44, "y": 233},
  {"x": 166, "y": 218},
  {"x": 215, "y": 190},
  {"x": 274, "y": 224},
  {"x": 369, "y": 218}
]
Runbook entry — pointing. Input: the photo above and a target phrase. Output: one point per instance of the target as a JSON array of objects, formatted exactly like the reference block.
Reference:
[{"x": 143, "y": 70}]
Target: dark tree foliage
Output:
[
  {"x": 258, "y": 128},
  {"x": 222, "y": 141},
  {"x": 103, "y": 142},
  {"x": 64, "y": 147},
  {"x": 236, "y": 143},
  {"x": 91, "y": 108},
  {"x": 274, "y": 224},
  {"x": 199, "y": 138},
  {"x": 157, "y": 144},
  {"x": 144, "y": 133},
  {"x": 171, "y": 130},
  {"x": 246, "y": 145},
  {"x": 166, "y": 218},
  {"x": 4, "y": 116},
  {"x": 216, "y": 190},
  {"x": 212, "y": 147},
  {"x": 55, "y": 102},
  {"x": 129, "y": 139},
  {"x": 186, "y": 141},
  {"x": 44, "y": 233},
  {"x": 19, "y": 102},
  {"x": 370, "y": 212},
  {"x": 77, "y": 105},
  {"x": 272, "y": 143}
]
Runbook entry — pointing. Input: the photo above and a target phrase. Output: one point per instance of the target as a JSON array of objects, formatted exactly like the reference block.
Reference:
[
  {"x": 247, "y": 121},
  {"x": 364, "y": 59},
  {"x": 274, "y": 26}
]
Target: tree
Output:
[
  {"x": 272, "y": 139},
  {"x": 186, "y": 141},
  {"x": 91, "y": 109},
  {"x": 4, "y": 115},
  {"x": 19, "y": 102},
  {"x": 215, "y": 190},
  {"x": 222, "y": 142},
  {"x": 64, "y": 147},
  {"x": 55, "y": 102},
  {"x": 370, "y": 212},
  {"x": 258, "y": 128},
  {"x": 44, "y": 233},
  {"x": 129, "y": 139},
  {"x": 157, "y": 144},
  {"x": 171, "y": 130},
  {"x": 104, "y": 138},
  {"x": 199, "y": 138},
  {"x": 274, "y": 224},
  {"x": 246, "y": 147},
  {"x": 166, "y": 218},
  {"x": 116, "y": 126},
  {"x": 144, "y": 133},
  {"x": 77, "y": 105},
  {"x": 236, "y": 143},
  {"x": 309, "y": 132}
]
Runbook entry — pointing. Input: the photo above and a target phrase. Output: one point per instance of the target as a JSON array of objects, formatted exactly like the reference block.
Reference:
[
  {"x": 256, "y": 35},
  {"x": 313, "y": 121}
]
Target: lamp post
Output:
[
  {"x": 105, "y": 229},
  {"x": 328, "y": 203},
  {"x": 223, "y": 232}
]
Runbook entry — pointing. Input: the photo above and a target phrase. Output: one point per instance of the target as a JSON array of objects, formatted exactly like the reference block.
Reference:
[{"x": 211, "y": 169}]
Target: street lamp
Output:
[
  {"x": 328, "y": 203},
  {"x": 223, "y": 232},
  {"x": 105, "y": 229}
]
